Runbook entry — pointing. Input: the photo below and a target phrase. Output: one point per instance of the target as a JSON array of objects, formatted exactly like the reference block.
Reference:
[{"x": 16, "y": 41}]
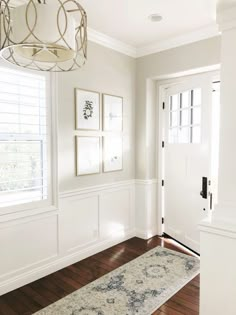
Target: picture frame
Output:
[
  {"x": 112, "y": 153},
  {"x": 87, "y": 155},
  {"x": 87, "y": 110},
  {"x": 112, "y": 113}
]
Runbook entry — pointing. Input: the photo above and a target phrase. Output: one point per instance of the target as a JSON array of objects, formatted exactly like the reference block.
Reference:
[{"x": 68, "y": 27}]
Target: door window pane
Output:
[
  {"x": 173, "y": 135},
  {"x": 197, "y": 116},
  {"x": 197, "y": 97},
  {"x": 173, "y": 119},
  {"x": 184, "y": 135},
  {"x": 185, "y": 117},
  {"x": 196, "y": 134},
  {"x": 174, "y": 105},
  {"x": 185, "y": 99}
]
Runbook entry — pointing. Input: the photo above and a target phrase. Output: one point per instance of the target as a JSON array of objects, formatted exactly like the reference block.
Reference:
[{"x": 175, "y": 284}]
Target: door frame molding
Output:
[{"x": 162, "y": 83}]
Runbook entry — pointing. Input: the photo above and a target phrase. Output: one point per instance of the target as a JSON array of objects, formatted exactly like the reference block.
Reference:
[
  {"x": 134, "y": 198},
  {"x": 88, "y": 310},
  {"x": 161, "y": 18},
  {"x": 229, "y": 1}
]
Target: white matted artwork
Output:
[
  {"x": 112, "y": 153},
  {"x": 112, "y": 113},
  {"x": 87, "y": 155},
  {"x": 87, "y": 110}
]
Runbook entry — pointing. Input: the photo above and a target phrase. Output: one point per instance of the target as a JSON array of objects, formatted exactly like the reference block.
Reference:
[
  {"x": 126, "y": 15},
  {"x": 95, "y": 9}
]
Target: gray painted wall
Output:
[
  {"x": 110, "y": 72},
  {"x": 106, "y": 71},
  {"x": 193, "y": 56}
]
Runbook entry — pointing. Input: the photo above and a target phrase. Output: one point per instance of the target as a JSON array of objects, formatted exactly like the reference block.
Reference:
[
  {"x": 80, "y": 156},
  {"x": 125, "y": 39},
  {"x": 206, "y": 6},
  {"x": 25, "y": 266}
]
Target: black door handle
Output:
[
  {"x": 203, "y": 193},
  {"x": 211, "y": 201}
]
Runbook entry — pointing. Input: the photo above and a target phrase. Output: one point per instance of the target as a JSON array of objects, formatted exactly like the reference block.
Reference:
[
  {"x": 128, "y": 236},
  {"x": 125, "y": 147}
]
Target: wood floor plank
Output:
[
  {"x": 50, "y": 285},
  {"x": 30, "y": 305},
  {"x": 192, "y": 299},
  {"x": 181, "y": 301},
  {"x": 180, "y": 307},
  {"x": 169, "y": 311},
  {"x": 6, "y": 309},
  {"x": 60, "y": 281},
  {"x": 32, "y": 294},
  {"x": 44, "y": 292},
  {"x": 17, "y": 305},
  {"x": 41, "y": 293}
]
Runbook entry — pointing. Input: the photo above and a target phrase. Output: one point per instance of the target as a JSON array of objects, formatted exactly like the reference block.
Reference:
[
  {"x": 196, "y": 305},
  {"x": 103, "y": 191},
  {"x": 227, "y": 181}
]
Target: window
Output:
[
  {"x": 185, "y": 117},
  {"x": 23, "y": 138}
]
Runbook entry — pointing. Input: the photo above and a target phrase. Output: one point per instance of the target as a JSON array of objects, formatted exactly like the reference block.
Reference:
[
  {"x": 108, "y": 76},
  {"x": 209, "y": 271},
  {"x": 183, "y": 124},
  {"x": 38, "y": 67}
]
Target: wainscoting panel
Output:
[
  {"x": 115, "y": 213},
  {"x": 91, "y": 216},
  {"x": 87, "y": 221},
  {"x": 78, "y": 222},
  {"x": 26, "y": 244}
]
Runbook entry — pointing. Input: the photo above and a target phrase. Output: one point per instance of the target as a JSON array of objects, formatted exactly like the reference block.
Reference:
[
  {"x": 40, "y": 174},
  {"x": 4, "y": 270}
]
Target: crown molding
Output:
[
  {"x": 112, "y": 43},
  {"x": 201, "y": 34},
  {"x": 109, "y": 42}
]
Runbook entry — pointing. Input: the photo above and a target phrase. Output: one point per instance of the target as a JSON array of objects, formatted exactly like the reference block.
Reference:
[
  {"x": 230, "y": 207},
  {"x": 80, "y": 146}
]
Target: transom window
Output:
[
  {"x": 23, "y": 138},
  {"x": 185, "y": 117}
]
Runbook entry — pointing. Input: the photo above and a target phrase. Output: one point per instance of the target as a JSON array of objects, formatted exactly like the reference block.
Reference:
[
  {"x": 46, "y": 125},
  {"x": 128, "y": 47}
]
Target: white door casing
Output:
[{"x": 187, "y": 157}]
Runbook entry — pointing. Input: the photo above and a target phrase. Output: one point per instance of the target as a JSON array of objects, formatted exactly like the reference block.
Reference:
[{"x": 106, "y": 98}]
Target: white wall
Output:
[{"x": 106, "y": 71}]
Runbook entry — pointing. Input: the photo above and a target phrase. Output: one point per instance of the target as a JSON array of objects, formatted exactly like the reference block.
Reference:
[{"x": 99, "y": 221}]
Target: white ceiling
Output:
[
  {"x": 127, "y": 20},
  {"x": 123, "y": 25}
]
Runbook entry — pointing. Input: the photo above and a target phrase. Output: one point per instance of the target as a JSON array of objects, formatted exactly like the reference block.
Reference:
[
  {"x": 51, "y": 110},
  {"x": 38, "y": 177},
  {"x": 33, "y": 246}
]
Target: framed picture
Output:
[
  {"x": 87, "y": 104},
  {"x": 112, "y": 153},
  {"x": 112, "y": 113},
  {"x": 87, "y": 155}
]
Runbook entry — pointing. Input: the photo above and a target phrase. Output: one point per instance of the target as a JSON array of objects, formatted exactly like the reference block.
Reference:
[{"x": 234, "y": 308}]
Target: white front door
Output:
[{"x": 187, "y": 158}]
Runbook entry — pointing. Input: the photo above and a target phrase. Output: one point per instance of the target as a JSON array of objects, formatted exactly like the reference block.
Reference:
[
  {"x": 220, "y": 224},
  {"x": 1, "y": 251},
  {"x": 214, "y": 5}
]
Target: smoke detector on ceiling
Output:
[{"x": 155, "y": 17}]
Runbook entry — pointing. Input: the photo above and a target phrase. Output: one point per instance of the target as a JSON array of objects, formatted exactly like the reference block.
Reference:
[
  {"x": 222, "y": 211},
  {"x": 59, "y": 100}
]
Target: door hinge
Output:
[
  {"x": 163, "y": 105},
  {"x": 163, "y": 144},
  {"x": 162, "y": 183},
  {"x": 162, "y": 220}
]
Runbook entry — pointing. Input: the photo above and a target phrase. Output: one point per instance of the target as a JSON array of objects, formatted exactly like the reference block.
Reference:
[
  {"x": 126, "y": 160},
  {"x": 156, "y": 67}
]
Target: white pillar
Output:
[
  {"x": 218, "y": 234},
  {"x": 226, "y": 209}
]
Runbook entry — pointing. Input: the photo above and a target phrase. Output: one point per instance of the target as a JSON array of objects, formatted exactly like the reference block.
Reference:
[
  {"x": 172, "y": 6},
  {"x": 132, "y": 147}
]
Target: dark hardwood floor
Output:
[{"x": 41, "y": 293}]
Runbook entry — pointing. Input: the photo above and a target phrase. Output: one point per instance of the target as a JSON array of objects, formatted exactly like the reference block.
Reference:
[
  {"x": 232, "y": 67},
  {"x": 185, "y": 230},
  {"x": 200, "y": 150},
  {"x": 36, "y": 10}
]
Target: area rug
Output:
[{"x": 138, "y": 287}]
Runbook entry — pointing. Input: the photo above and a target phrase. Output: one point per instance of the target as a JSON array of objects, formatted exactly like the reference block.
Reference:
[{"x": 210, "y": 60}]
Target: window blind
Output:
[{"x": 23, "y": 137}]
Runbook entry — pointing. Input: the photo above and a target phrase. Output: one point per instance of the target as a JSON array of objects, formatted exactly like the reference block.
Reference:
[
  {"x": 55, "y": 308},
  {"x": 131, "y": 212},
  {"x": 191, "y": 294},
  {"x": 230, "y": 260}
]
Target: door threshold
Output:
[{"x": 186, "y": 247}]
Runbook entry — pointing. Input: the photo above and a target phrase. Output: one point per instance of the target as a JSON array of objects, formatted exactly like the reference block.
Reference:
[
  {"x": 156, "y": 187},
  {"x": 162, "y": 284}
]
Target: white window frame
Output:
[{"x": 51, "y": 203}]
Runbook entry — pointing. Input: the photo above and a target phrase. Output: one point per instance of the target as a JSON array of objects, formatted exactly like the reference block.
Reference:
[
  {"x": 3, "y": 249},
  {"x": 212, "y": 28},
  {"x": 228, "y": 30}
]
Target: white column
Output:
[
  {"x": 226, "y": 209},
  {"x": 218, "y": 234}
]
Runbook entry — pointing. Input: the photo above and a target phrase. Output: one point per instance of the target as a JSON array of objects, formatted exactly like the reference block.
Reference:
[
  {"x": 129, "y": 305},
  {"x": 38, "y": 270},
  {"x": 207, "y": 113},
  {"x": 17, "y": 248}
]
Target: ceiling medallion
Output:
[{"x": 44, "y": 35}]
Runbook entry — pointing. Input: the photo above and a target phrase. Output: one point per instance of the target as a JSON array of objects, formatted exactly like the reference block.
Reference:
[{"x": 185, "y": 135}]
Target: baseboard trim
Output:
[
  {"x": 145, "y": 235},
  {"x": 59, "y": 263},
  {"x": 146, "y": 181}
]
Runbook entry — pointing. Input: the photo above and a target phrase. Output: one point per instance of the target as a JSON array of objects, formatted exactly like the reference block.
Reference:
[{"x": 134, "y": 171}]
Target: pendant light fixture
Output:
[{"x": 45, "y": 35}]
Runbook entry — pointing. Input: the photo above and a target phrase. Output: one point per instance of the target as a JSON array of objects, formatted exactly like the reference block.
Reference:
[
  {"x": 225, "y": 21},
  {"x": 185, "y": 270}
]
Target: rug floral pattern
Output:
[{"x": 139, "y": 287}]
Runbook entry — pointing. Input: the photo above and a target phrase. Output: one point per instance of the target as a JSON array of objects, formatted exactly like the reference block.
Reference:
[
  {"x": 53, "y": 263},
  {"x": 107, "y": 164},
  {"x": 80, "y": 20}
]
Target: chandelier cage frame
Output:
[{"x": 67, "y": 11}]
